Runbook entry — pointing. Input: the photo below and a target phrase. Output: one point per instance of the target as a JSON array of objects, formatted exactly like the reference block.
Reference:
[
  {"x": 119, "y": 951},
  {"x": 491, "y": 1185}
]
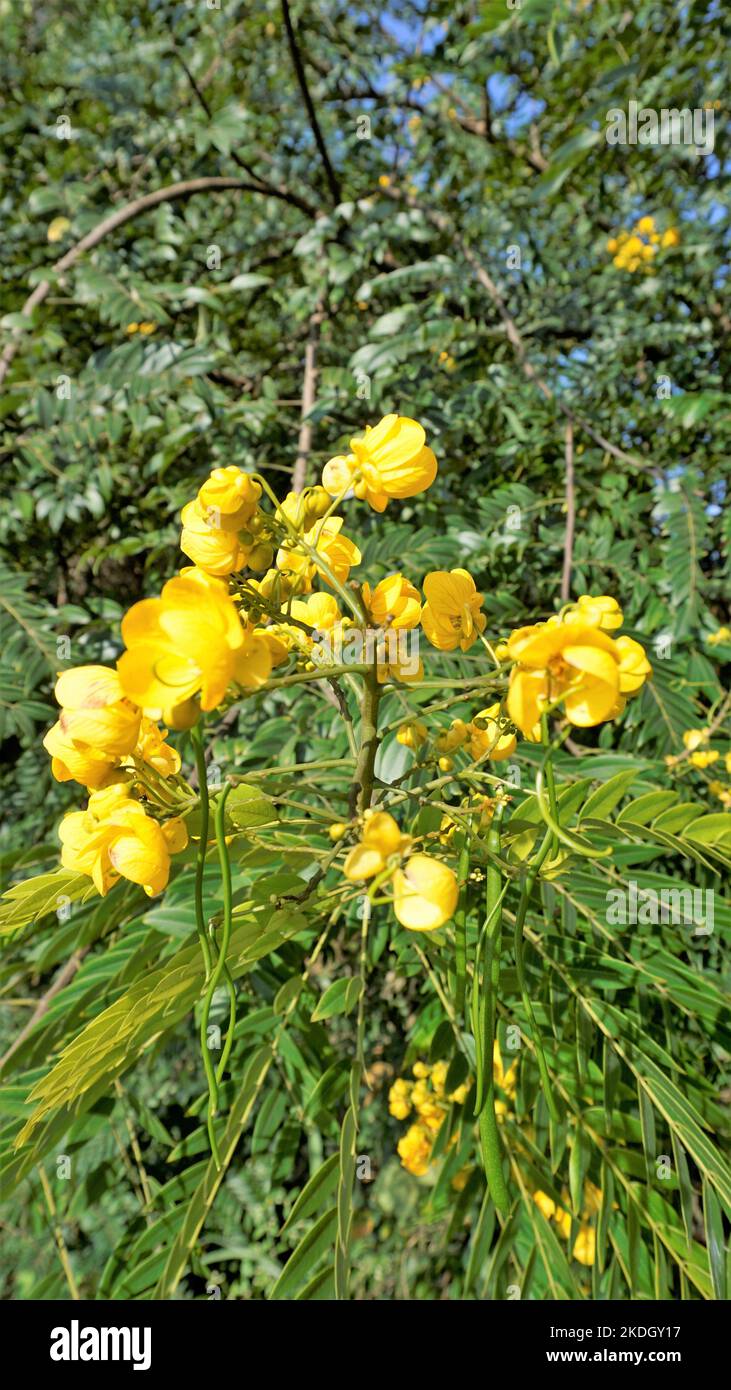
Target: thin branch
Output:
[
  {"x": 64, "y": 976},
  {"x": 330, "y": 174},
  {"x": 126, "y": 213},
  {"x": 309, "y": 389},
  {"x": 568, "y": 545}
]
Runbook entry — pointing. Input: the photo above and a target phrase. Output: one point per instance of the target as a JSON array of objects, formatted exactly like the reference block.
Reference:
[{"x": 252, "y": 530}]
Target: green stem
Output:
[
  {"x": 196, "y": 738},
  {"x": 219, "y": 968},
  {"x": 489, "y": 1136},
  {"x": 362, "y": 789},
  {"x": 460, "y": 924},
  {"x": 518, "y": 943}
]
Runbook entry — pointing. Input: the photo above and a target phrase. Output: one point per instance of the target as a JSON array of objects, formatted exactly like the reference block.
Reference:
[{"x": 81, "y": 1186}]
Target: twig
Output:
[
  {"x": 309, "y": 388},
  {"x": 64, "y": 976},
  {"x": 330, "y": 175},
  {"x": 568, "y": 545},
  {"x": 63, "y": 1253}
]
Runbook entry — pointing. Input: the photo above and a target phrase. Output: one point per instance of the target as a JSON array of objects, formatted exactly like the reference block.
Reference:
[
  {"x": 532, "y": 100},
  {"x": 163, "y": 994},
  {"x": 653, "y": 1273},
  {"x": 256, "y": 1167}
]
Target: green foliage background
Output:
[{"x": 489, "y": 125}]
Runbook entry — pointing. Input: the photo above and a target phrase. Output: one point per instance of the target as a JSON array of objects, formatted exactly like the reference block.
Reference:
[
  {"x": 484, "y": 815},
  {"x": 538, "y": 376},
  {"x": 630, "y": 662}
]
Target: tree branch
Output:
[
  {"x": 116, "y": 219},
  {"x": 330, "y": 174},
  {"x": 309, "y": 389},
  {"x": 568, "y": 545}
]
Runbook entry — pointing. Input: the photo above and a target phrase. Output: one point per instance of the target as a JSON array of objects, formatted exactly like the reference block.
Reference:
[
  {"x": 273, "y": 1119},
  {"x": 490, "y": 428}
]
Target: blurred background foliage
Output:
[{"x": 377, "y": 156}]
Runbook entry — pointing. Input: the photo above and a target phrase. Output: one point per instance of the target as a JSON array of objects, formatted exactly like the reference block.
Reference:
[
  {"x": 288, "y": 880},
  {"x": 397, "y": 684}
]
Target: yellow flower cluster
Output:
[
  {"x": 572, "y": 661},
  {"x": 585, "y": 1243},
  {"x": 425, "y": 1097},
  {"x": 702, "y": 758},
  {"x": 425, "y": 891},
  {"x": 105, "y": 742},
  {"x": 721, "y": 635},
  {"x": 636, "y": 249}
]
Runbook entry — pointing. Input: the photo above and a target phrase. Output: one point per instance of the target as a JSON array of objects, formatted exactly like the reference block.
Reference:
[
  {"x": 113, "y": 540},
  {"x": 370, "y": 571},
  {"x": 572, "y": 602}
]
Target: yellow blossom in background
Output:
[
  {"x": 488, "y": 737},
  {"x": 394, "y": 603},
  {"x": 413, "y": 734},
  {"x": 722, "y": 634},
  {"x": 188, "y": 640},
  {"x": 381, "y": 838},
  {"x": 425, "y": 893},
  {"x": 451, "y": 616},
  {"x": 670, "y": 238},
  {"x": 114, "y": 837},
  {"x": 585, "y": 1245},
  {"x": 545, "y": 1204},
  {"x": 399, "y": 1099},
  {"x": 693, "y": 738},
  {"x": 704, "y": 757},
  {"x": 414, "y": 1150},
  {"x": 57, "y": 229},
  {"x": 390, "y": 460}
]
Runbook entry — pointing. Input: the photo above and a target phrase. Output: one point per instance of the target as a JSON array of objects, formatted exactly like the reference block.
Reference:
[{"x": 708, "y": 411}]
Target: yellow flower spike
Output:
[
  {"x": 585, "y": 1245},
  {"x": 229, "y": 498},
  {"x": 425, "y": 893},
  {"x": 394, "y": 603},
  {"x": 189, "y": 639},
  {"x": 390, "y": 460},
  {"x": 451, "y": 616},
  {"x": 413, "y": 734},
  {"x": 486, "y": 736},
  {"x": 211, "y": 548}
]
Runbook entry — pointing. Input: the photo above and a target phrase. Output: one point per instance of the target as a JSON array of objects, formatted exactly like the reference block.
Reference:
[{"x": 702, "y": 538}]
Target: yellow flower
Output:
[
  {"x": 670, "y": 238},
  {"x": 384, "y": 181},
  {"x": 573, "y": 661},
  {"x": 399, "y": 1099},
  {"x": 451, "y": 616},
  {"x": 487, "y": 736},
  {"x": 705, "y": 758},
  {"x": 453, "y": 737},
  {"x": 600, "y": 610},
  {"x": 214, "y": 550},
  {"x": 646, "y": 226},
  {"x": 506, "y": 1080},
  {"x": 98, "y": 725},
  {"x": 393, "y": 603},
  {"x": 147, "y": 328},
  {"x": 319, "y": 611},
  {"x": 693, "y": 738},
  {"x": 634, "y": 668},
  {"x": 189, "y": 639},
  {"x": 413, "y": 734},
  {"x": 389, "y": 460},
  {"x": 563, "y": 1221},
  {"x": 545, "y": 1204},
  {"x": 57, "y": 228},
  {"x": 414, "y": 1149},
  {"x": 727, "y": 761},
  {"x": 114, "y": 838},
  {"x": 337, "y": 830},
  {"x": 336, "y": 550},
  {"x": 153, "y": 749},
  {"x": 380, "y": 840},
  {"x": 722, "y": 634},
  {"x": 425, "y": 893},
  {"x": 585, "y": 1245},
  {"x": 229, "y": 498}
]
